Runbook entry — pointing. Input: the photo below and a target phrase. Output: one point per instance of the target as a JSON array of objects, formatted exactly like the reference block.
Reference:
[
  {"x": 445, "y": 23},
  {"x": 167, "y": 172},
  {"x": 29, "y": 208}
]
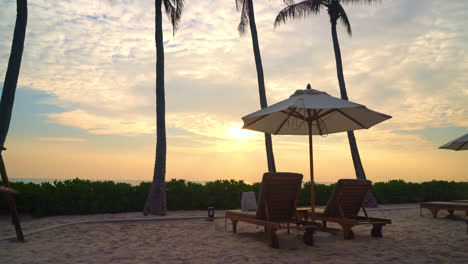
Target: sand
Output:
[{"x": 410, "y": 239}]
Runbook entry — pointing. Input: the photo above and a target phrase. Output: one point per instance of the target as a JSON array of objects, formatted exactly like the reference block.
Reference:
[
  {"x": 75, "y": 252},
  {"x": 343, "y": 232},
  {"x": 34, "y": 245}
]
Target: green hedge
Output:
[
  {"x": 398, "y": 191},
  {"x": 88, "y": 197}
]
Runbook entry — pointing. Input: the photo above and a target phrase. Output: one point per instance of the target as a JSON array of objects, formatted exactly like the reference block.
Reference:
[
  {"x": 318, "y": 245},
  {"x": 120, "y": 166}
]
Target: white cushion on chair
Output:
[{"x": 248, "y": 203}]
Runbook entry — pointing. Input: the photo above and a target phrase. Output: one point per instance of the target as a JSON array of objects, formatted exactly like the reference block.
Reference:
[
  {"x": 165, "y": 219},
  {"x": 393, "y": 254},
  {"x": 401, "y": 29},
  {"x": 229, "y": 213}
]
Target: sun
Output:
[{"x": 237, "y": 133}]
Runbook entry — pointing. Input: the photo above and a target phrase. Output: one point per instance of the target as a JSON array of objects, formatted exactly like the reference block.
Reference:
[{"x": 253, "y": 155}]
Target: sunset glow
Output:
[{"x": 85, "y": 103}]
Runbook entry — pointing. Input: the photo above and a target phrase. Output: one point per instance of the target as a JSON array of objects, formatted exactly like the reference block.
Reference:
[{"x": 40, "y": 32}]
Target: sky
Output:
[{"x": 85, "y": 103}]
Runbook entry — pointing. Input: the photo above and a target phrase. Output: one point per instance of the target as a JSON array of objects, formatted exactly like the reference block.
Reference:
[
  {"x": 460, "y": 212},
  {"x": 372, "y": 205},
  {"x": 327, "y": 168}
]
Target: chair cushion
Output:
[
  {"x": 248, "y": 202},
  {"x": 247, "y": 214}
]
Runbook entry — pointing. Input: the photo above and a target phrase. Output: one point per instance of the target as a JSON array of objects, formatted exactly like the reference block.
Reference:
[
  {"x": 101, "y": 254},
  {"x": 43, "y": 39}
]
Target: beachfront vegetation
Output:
[
  {"x": 336, "y": 12},
  {"x": 89, "y": 197},
  {"x": 156, "y": 201},
  {"x": 248, "y": 17}
]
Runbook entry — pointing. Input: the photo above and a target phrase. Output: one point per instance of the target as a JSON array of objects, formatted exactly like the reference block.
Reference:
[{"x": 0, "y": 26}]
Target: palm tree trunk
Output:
[
  {"x": 8, "y": 98},
  {"x": 156, "y": 201},
  {"x": 14, "y": 64},
  {"x": 360, "y": 174},
  {"x": 261, "y": 84}
]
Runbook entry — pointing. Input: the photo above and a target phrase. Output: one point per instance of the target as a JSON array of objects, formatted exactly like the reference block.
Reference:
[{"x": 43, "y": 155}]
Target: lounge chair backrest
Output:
[
  {"x": 349, "y": 195},
  {"x": 278, "y": 193}
]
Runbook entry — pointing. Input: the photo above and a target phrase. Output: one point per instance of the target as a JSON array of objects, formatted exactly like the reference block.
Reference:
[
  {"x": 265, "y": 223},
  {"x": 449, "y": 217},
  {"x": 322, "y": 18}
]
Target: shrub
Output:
[
  {"x": 398, "y": 191},
  {"x": 89, "y": 197}
]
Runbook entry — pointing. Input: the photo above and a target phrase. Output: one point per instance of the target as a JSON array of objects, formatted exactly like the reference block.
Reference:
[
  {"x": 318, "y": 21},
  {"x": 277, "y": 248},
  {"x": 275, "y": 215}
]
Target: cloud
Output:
[
  {"x": 104, "y": 125},
  {"x": 98, "y": 59},
  {"x": 195, "y": 123},
  {"x": 60, "y": 139}
]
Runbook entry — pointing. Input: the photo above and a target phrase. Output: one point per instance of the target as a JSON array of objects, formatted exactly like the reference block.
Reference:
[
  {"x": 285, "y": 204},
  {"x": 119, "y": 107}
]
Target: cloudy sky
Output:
[{"x": 85, "y": 104}]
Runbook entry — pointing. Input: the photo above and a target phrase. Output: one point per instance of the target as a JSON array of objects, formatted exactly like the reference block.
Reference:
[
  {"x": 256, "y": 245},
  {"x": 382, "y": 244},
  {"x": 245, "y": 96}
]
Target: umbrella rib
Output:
[
  {"x": 316, "y": 118},
  {"x": 284, "y": 121},
  {"x": 254, "y": 121},
  {"x": 327, "y": 112},
  {"x": 350, "y": 118},
  {"x": 291, "y": 114},
  {"x": 296, "y": 114},
  {"x": 462, "y": 145}
]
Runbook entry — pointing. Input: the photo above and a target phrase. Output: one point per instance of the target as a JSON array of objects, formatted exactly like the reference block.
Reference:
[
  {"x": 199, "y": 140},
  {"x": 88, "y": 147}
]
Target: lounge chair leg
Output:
[
  {"x": 324, "y": 225},
  {"x": 434, "y": 212},
  {"x": 451, "y": 215},
  {"x": 347, "y": 232},
  {"x": 234, "y": 226},
  {"x": 273, "y": 238},
  {"x": 309, "y": 236},
  {"x": 377, "y": 231}
]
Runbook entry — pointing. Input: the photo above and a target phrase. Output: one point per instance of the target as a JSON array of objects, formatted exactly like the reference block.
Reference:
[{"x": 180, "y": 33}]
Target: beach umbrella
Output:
[
  {"x": 460, "y": 143},
  {"x": 311, "y": 112}
]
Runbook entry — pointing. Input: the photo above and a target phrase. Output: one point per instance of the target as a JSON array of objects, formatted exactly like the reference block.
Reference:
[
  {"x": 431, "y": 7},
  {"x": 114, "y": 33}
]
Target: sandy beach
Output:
[{"x": 410, "y": 239}]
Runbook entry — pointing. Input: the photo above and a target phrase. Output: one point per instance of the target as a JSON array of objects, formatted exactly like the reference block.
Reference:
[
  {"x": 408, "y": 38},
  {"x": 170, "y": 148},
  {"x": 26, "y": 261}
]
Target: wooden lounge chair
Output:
[
  {"x": 276, "y": 207},
  {"x": 460, "y": 201},
  {"x": 7, "y": 190},
  {"x": 343, "y": 208},
  {"x": 435, "y": 207}
]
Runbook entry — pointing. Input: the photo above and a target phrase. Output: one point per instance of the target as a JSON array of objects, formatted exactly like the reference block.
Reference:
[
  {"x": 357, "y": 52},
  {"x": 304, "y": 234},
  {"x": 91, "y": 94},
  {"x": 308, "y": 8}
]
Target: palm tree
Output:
[
  {"x": 8, "y": 98},
  {"x": 248, "y": 17},
  {"x": 336, "y": 12},
  {"x": 156, "y": 201}
]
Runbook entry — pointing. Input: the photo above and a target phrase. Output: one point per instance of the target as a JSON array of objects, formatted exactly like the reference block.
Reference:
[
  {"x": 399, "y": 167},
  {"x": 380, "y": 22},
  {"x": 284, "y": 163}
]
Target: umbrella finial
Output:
[{"x": 308, "y": 86}]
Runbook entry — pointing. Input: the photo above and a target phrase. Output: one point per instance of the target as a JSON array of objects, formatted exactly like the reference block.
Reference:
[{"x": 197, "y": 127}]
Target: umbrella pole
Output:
[{"x": 311, "y": 158}]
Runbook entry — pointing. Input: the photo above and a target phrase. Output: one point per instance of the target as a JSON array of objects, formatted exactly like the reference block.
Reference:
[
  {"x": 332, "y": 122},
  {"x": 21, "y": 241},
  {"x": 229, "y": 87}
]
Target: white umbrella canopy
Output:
[
  {"x": 328, "y": 115},
  {"x": 460, "y": 143},
  {"x": 311, "y": 112}
]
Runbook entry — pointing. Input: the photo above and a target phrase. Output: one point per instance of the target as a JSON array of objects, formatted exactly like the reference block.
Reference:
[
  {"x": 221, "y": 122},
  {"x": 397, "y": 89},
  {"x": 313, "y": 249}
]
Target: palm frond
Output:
[
  {"x": 174, "y": 10},
  {"x": 240, "y": 4},
  {"x": 180, "y": 4},
  {"x": 344, "y": 19},
  {"x": 168, "y": 8},
  {"x": 358, "y": 2},
  {"x": 242, "y": 28},
  {"x": 299, "y": 10}
]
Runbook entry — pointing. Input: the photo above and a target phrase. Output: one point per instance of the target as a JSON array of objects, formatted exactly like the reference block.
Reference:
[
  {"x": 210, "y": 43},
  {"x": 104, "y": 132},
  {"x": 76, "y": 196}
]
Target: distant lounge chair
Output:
[
  {"x": 276, "y": 207},
  {"x": 8, "y": 190},
  {"x": 435, "y": 207},
  {"x": 460, "y": 201},
  {"x": 343, "y": 208}
]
